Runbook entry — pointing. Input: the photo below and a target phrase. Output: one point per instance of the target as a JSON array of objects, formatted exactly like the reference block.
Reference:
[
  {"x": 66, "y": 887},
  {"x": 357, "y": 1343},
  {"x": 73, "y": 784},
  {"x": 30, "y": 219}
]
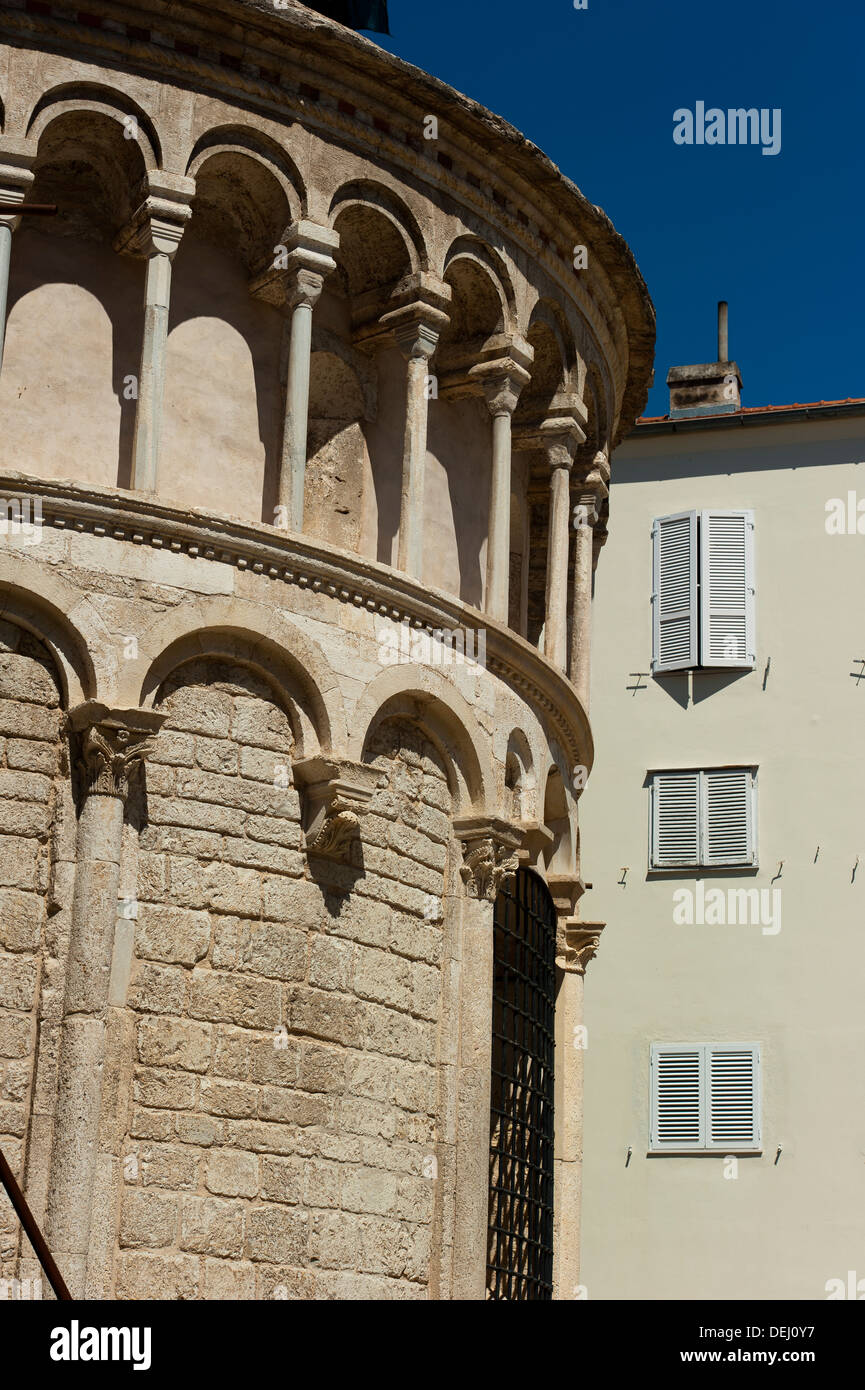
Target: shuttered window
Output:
[
  {"x": 704, "y": 1096},
  {"x": 703, "y": 819},
  {"x": 727, "y": 589},
  {"x": 703, "y": 611},
  {"x": 676, "y": 820},
  {"x": 675, "y": 592}
]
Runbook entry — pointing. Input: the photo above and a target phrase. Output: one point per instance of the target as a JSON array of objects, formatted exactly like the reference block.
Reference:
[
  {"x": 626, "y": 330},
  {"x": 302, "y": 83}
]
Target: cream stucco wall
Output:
[{"x": 675, "y": 1227}]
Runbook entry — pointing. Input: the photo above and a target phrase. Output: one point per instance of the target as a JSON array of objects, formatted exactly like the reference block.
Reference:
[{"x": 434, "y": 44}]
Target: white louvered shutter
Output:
[
  {"x": 677, "y": 1112},
  {"x": 727, "y": 627},
  {"x": 674, "y": 592},
  {"x": 733, "y": 1090},
  {"x": 727, "y": 817},
  {"x": 675, "y": 820}
]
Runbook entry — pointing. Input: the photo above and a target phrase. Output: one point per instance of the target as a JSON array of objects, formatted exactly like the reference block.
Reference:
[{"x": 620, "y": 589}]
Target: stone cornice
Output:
[
  {"x": 297, "y": 560},
  {"x": 247, "y": 46}
]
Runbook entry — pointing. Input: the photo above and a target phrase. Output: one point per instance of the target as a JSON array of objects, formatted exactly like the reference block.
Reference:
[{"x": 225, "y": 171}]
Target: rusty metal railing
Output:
[{"x": 34, "y": 1235}]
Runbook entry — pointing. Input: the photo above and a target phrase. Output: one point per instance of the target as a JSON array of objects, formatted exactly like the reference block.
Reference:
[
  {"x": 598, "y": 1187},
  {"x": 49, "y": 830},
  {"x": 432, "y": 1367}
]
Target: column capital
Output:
[
  {"x": 489, "y": 847},
  {"x": 419, "y": 316},
  {"x": 416, "y": 328},
  {"x": 16, "y": 179},
  {"x": 559, "y": 434},
  {"x": 577, "y": 943},
  {"x": 501, "y": 379},
  {"x": 302, "y": 262},
  {"x": 337, "y": 793},
  {"x": 157, "y": 225},
  {"x": 112, "y": 743}
]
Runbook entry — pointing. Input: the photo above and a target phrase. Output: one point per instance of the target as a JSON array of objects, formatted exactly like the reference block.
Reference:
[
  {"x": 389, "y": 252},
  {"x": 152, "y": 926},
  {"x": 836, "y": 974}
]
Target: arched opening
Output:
[
  {"x": 73, "y": 339},
  {"x": 377, "y": 253},
  {"x": 223, "y": 383},
  {"x": 520, "y": 1230},
  {"x": 456, "y": 515}
]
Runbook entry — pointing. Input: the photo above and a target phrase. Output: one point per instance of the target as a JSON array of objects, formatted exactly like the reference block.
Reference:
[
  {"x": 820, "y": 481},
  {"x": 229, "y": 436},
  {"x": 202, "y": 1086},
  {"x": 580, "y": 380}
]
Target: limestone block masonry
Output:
[{"x": 297, "y": 404}]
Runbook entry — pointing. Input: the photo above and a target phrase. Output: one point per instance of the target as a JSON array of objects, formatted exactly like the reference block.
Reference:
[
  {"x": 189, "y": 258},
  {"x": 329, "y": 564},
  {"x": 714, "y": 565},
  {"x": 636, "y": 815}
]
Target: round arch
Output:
[
  {"x": 365, "y": 193},
  {"x": 429, "y": 702},
  {"x": 273, "y": 647},
  {"x": 239, "y": 140},
  {"x": 65, "y": 621},
  {"x": 94, "y": 98}
]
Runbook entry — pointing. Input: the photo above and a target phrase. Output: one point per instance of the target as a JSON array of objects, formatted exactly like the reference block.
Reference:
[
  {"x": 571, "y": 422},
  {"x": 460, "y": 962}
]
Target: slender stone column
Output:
[
  {"x": 578, "y": 943},
  {"x": 416, "y": 327},
  {"x": 588, "y": 498},
  {"x": 295, "y": 283},
  {"x": 15, "y": 180},
  {"x": 154, "y": 232},
  {"x": 502, "y": 383},
  {"x": 489, "y": 849},
  {"x": 111, "y": 743},
  {"x": 560, "y": 458}
]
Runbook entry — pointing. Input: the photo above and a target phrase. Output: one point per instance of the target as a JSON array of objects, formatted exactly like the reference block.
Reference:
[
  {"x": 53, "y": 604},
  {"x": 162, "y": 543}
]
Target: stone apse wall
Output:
[{"x": 248, "y": 857}]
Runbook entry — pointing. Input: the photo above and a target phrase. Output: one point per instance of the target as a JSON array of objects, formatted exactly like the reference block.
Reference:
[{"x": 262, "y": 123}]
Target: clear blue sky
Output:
[{"x": 782, "y": 237}]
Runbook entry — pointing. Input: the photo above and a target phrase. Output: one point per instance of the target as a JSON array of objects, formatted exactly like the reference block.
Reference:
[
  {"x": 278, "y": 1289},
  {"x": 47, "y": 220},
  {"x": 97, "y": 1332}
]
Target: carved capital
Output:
[
  {"x": 592, "y": 485},
  {"x": 302, "y": 263},
  {"x": 502, "y": 382},
  {"x": 16, "y": 178},
  {"x": 577, "y": 943},
  {"x": 336, "y": 795},
  {"x": 157, "y": 225},
  {"x": 559, "y": 434},
  {"x": 490, "y": 858},
  {"x": 112, "y": 743},
  {"x": 416, "y": 329}
]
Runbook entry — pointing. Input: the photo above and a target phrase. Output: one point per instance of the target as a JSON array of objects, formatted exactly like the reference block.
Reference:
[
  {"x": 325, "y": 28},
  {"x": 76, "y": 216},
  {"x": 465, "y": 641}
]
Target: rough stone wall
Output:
[
  {"x": 30, "y": 751},
  {"x": 283, "y": 1112}
]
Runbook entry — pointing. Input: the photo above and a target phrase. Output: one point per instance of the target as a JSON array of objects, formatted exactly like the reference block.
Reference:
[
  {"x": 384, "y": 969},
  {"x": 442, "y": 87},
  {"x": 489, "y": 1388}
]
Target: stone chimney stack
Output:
[{"x": 708, "y": 388}]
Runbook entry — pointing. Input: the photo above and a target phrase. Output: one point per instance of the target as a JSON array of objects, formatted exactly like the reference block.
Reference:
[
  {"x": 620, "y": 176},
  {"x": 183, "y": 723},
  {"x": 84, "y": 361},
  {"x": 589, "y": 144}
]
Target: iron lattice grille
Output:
[{"x": 520, "y": 1253}]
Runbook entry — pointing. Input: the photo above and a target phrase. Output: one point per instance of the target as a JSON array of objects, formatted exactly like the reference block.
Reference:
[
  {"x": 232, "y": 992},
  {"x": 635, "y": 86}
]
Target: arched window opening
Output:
[{"x": 520, "y": 1245}]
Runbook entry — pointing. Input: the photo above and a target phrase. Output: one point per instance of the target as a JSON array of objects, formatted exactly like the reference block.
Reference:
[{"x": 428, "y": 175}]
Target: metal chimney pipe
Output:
[{"x": 723, "y": 344}]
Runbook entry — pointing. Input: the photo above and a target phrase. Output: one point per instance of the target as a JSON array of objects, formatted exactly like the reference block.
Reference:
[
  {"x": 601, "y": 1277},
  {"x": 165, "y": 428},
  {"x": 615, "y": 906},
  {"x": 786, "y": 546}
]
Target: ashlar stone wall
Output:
[
  {"x": 280, "y": 1139},
  {"x": 30, "y": 764}
]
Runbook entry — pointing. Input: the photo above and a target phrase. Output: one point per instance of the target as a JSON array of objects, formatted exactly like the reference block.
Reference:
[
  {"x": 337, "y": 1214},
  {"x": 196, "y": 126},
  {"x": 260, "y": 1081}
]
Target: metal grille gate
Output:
[{"x": 520, "y": 1251}]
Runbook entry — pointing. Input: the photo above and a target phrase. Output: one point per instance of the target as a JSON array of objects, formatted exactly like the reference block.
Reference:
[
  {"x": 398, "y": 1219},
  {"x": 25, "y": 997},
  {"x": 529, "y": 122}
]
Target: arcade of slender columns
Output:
[{"x": 155, "y": 232}]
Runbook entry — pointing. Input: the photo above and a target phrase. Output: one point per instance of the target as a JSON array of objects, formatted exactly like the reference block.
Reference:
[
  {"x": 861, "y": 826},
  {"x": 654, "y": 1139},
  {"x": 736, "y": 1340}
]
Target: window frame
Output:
[
  {"x": 706, "y": 1146},
  {"x": 700, "y": 610},
  {"x": 702, "y": 865}
]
